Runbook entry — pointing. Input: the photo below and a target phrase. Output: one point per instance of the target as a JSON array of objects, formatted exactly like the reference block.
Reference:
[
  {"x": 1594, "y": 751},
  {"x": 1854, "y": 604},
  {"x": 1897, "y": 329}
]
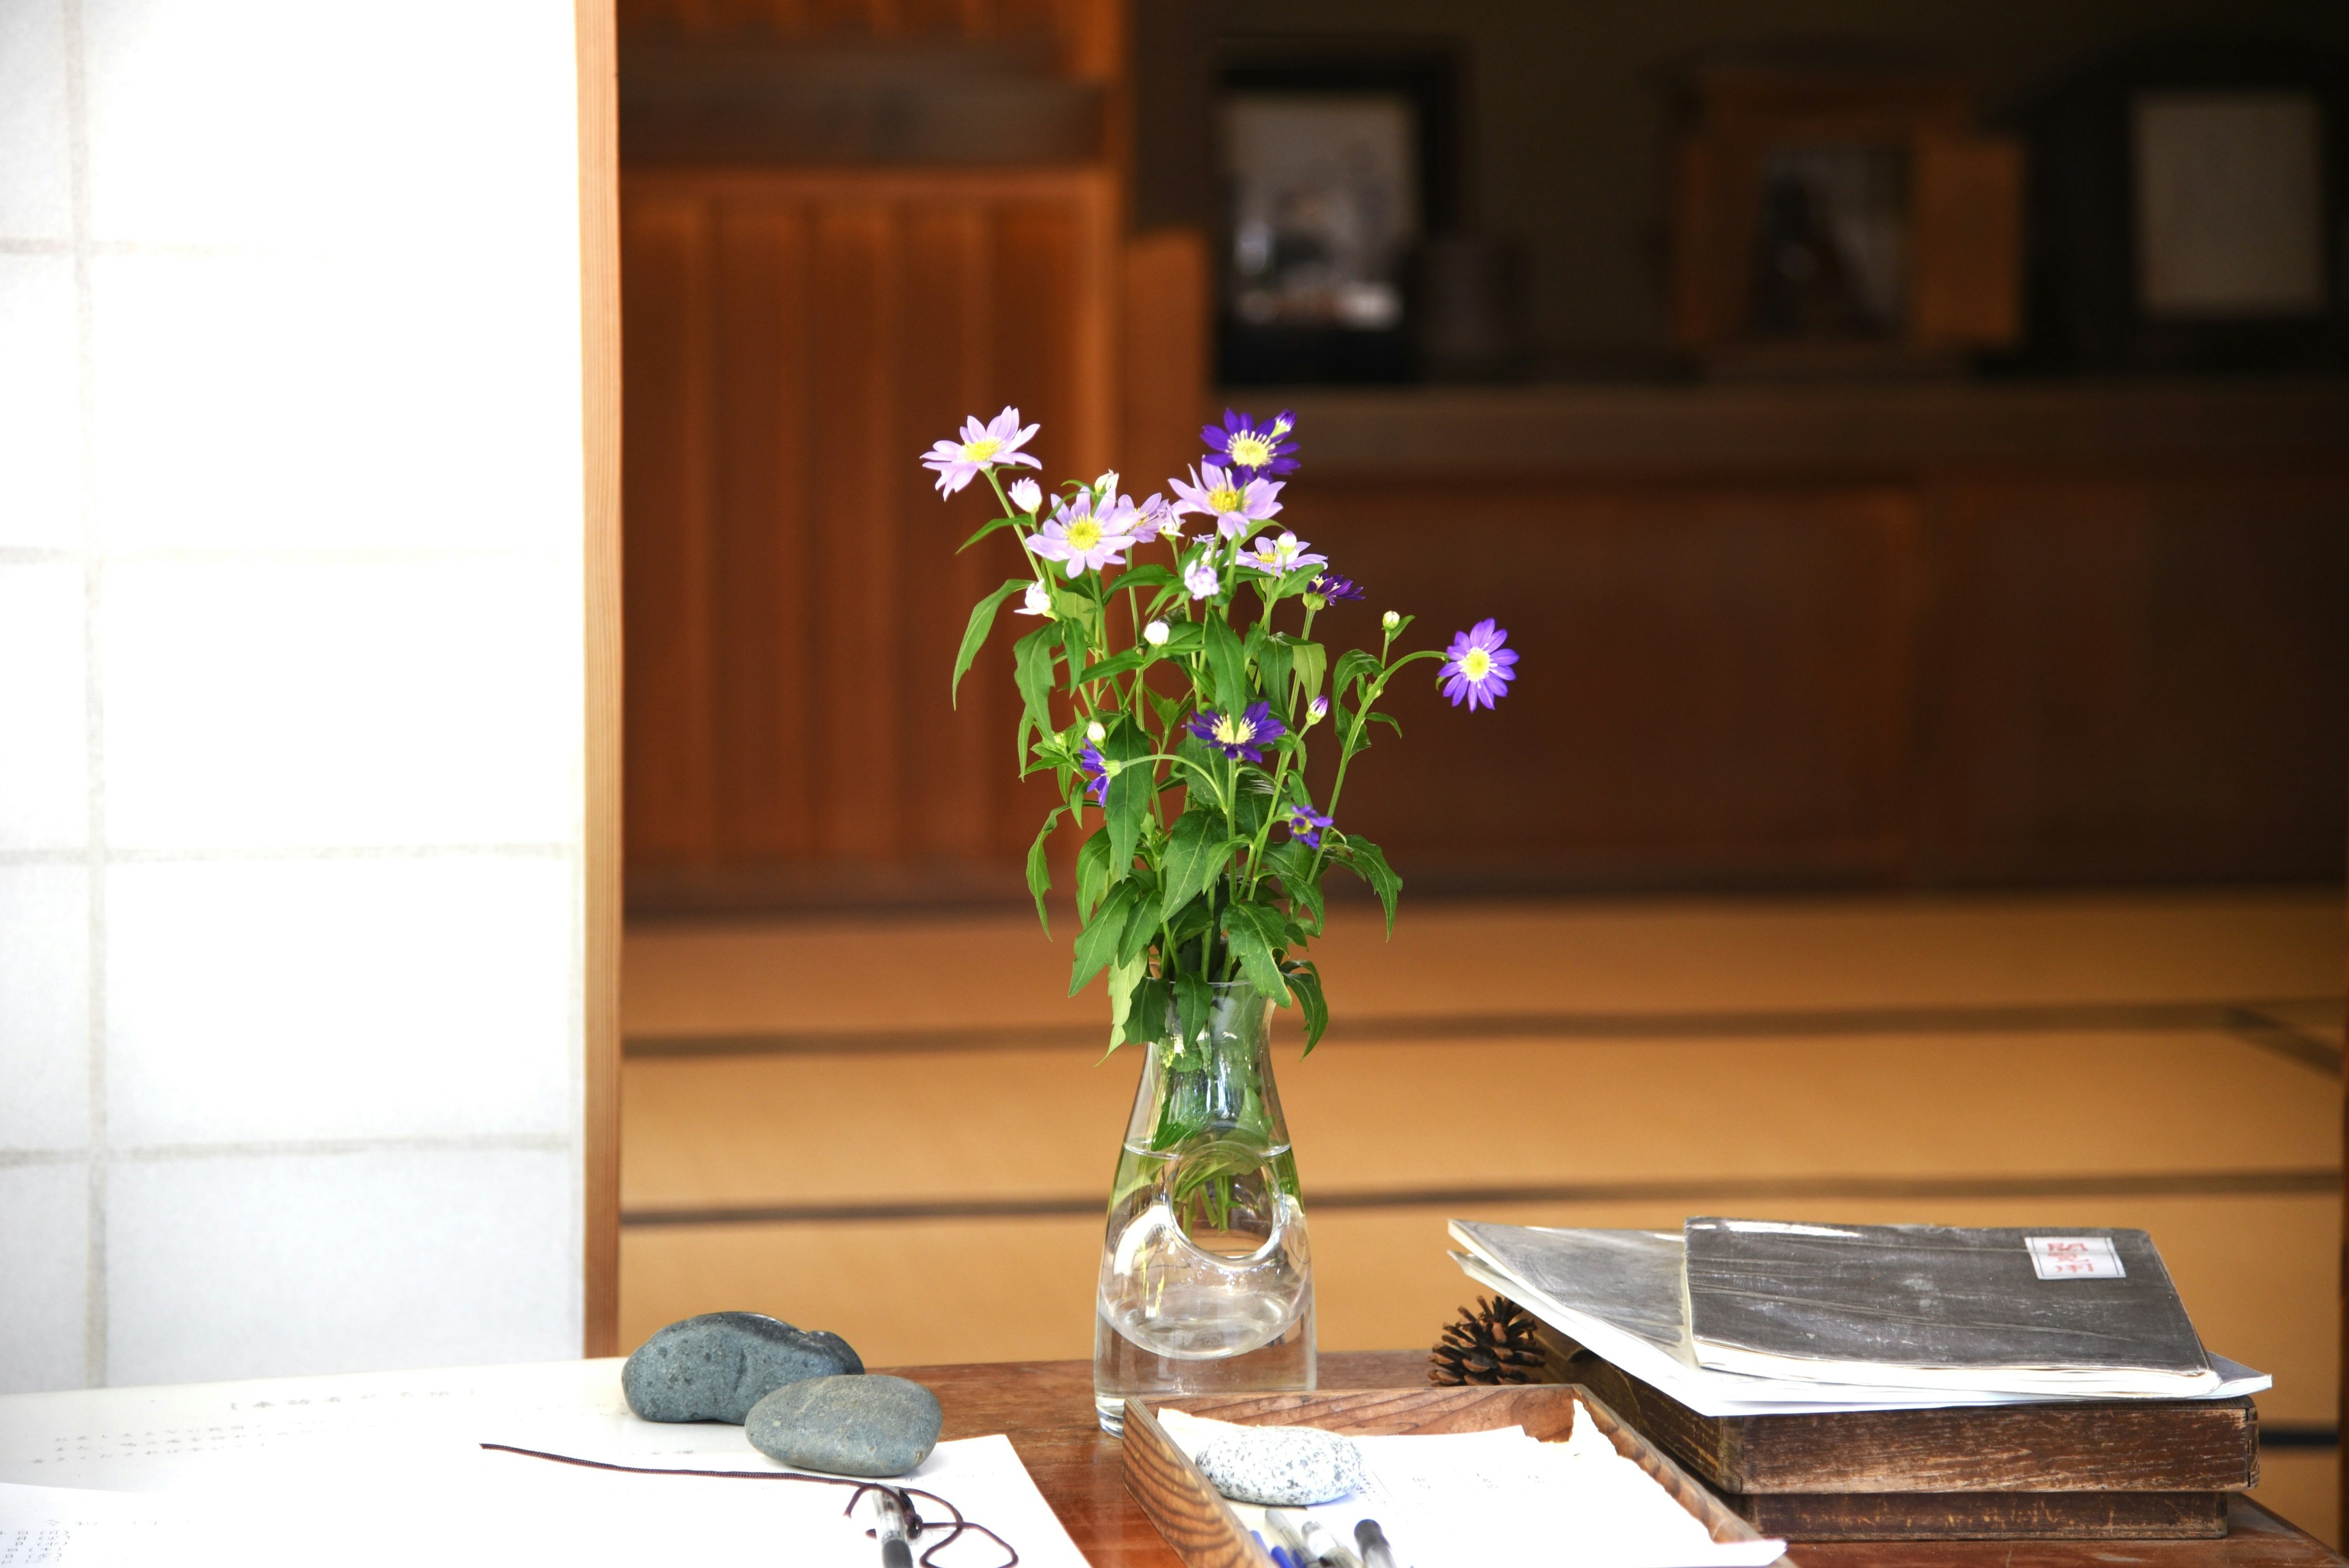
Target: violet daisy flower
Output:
[
  {"x": 1244, "y": 736},
  {"x": 1218, "y": 493},
  {"x": 1477, "y": 667},
  {"x": 1078, "y": 538},
  {"x": 1280, "y": 555},
  {"x": 1201, "y": 577},
  {"x": 1096, "y": 775},
  {"x": 1334, "y": 588},
  {"x": 1257, "y": 449},
  {"x": 1305, "y": 825},
  {"x": 1158, "y": 521},
  {"x": 982, "y": 447}
]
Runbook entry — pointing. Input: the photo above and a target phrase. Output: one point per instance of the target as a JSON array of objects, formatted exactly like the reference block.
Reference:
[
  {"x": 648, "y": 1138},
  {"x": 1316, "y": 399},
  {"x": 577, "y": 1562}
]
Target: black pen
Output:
[{"x": 1376, "y": 1552}]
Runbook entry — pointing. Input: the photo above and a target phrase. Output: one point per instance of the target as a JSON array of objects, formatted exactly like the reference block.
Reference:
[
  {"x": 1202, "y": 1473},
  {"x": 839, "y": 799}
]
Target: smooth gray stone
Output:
[
  {"x": 715, "y": 1366},
  {"x": 870, "y": 1426},
  {"x": 1282, "y": 1464}
]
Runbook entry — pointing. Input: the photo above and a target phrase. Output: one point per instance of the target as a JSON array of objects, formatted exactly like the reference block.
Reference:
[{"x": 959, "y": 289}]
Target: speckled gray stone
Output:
[
  {"x": 871, "y": 1426},
  {"x": 715, "y": 1366},
  {"x": 1282, "y": 1464}
]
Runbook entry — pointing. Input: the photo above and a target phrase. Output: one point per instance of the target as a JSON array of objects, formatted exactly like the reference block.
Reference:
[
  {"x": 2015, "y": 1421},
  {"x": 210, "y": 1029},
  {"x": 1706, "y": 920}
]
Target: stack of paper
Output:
[{"x": 1625, "y": 1297}]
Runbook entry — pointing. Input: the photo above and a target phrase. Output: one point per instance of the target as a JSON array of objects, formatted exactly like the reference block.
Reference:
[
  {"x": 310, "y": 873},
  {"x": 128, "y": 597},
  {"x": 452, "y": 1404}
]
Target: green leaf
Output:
[
  {"x": 1032, "y": 668},
  {"x": 1194, "y": 1001},
  {"x": 1387, "y": 719},
  {"x": 1140, "y": 922},
  {"x": 1311, "y": 662},
  {"x": 1230, "y": 664},
  {"x": 1093, "y": 872},
  {"x": 1272, "y": 662},
  {"x": 1097, "y": 943},
  {"x": 1184, "y": 637},
  {"x": 1292, "y": 862},
  {"x": 1305, "y": 979},
  {"x": 1370, "y": 865},
  {"x": 974, "y": 636},
  {"x": 1253, "y": 930},
  {"x": 1040, "y": 871},
  {"x": 1144, "y": 577},
  {"x": 1355, "y": 664},
  {"x": 983, "y": 532},
  {"x": 1124, "y": 978},
  {"x": 1130, "y": 792},
  {"x": 1168, "y": 709},
  {"x": 1117, "y": 664},
  {"x": 1196, "y": 854}
]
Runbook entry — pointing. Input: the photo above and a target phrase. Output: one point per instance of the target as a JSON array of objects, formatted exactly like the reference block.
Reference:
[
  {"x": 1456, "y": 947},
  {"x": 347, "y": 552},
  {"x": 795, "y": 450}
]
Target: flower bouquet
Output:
[{"x": 1176, "y": 711}]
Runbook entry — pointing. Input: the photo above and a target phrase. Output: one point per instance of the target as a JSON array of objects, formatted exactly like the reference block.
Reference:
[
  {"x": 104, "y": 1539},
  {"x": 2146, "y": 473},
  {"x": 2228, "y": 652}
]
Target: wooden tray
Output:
[
  {"x": 1204, "y": 1531},
  {"x": 2108, "y": 1469}
]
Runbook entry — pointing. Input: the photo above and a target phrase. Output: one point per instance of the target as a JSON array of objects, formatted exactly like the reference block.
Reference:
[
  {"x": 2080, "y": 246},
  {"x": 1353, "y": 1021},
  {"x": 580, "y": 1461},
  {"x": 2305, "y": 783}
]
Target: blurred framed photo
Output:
[{"x": 1336, "y": 166}]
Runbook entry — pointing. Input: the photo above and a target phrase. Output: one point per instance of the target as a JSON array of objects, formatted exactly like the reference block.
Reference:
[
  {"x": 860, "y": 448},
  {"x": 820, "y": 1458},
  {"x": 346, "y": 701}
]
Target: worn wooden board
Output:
[
  {"x": 1205, "y": 1532},
  {"x": 2156, "y": 1446},
  {"x": 1986, "y": 1515}
]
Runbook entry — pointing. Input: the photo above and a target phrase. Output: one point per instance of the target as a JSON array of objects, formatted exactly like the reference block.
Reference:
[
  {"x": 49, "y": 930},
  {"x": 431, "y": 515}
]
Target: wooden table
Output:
[{"x": 1047, "y": 1409}]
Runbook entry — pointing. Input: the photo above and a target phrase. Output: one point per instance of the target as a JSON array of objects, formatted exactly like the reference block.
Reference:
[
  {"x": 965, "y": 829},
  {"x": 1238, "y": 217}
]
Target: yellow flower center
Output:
[
  {"x": 1223, "y": 498},
  {"x": 1249, "y": 451},
  {"x": 1084, "y": 534},
  {"x": 1234, "y": 730},
  {"x": 982, "y": 449},
  {"x": 1475, "y": 664}
]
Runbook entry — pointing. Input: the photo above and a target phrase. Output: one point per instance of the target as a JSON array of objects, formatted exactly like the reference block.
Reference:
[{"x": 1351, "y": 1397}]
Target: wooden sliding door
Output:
[{"x": 796, "y": 340}]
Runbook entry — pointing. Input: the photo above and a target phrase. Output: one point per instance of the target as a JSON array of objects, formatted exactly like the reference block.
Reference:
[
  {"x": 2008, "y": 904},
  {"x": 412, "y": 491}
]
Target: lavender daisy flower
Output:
[
  {"x": 1201, "y": 578},
  {"x": 1305, "y": 825},
  {"x": 1280, "y": 555},
  {"x": 982, "y": 447},
  {"x": 1220, "y": 495},
  {"x": 1082, "y": 540},
  {"x": 1158, "y": 521},
  {"x": 1244, "y": 736},
  {"x": 1477, "y": 667},
  {"x": 1257, "y": 449},
  {"x": 1334, "y": 588},
  {"x": 1096, "y": 775}
]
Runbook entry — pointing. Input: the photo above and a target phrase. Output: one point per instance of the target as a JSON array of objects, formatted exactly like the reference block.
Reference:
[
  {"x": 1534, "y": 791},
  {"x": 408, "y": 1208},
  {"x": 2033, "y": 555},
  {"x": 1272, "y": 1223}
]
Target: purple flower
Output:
[
  {"x": 1096, "y": 775},
  {"x": 1476, "y": 668},
  {"x": 1333, "y": 587},
  {"x": 1280, "y": 556},
  {"x": 1200, "y": 577},
  {"x": 1305, "y": 825},
  {"x": 1254, "y": 447},
  {"x": 1244, "y": 736},
  {"x": 1085, "y": 542},
  {"x": 982, "y": 447},
  {"x": 1213, "y": 492},
  {"x": 1158, "y": 521}
]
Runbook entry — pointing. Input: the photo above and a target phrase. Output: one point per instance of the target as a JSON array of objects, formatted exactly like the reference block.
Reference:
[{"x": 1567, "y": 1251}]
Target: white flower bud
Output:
[
  {"x": 1096, "y": 732},
  {"x": 1391, "y": 619},
  {"x": 1155, "y": 634},
  {"x": 1316, "y": 710},
  {"x": 1039, "y": 600},
  {"x": 1027, "y": 496},
  {"x": 1107, "y": 483}
]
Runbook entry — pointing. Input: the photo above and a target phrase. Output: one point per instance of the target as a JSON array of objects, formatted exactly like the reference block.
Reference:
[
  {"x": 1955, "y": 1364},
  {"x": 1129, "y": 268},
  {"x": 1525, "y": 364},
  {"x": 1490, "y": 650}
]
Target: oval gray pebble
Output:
[
  {"x": 715, "y": 1366},
  {"x": 1292, "y": 1466},
  {"x": 874, "y": 1425}
]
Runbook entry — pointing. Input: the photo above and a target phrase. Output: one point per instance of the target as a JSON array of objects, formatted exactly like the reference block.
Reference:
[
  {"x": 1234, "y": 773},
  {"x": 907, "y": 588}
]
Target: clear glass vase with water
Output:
[{"x": 1207, "y": 1275}]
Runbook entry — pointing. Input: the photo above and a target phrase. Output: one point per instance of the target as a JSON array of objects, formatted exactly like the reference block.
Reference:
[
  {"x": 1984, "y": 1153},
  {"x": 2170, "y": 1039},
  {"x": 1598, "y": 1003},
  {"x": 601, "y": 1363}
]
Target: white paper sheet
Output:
[
  {"x": 388, "y": 1469},
  {"x": 1469, "y": 1499}
]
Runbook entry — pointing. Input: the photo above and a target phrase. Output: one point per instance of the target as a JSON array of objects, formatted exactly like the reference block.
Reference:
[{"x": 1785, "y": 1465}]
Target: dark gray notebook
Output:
[{"x": 2076, "y": 1308}]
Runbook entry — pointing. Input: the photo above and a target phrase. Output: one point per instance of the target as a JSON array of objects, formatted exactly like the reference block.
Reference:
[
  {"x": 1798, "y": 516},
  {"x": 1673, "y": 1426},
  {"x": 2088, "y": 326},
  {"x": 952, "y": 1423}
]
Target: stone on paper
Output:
[
  {"x": 715, "y": 1366},
  {"x": 1291, "y": 1466},
  {"x": 870, "y": 1426}
]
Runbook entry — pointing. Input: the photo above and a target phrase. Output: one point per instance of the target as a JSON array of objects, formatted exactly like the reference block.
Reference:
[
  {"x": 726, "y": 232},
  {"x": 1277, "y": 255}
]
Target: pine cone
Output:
[{"x": 1492, "y": 1343}]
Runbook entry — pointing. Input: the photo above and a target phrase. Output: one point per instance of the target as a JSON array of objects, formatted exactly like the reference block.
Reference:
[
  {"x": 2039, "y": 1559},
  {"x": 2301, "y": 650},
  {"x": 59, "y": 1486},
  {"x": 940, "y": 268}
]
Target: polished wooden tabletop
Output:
[{"x": 1046, "y": 1407}]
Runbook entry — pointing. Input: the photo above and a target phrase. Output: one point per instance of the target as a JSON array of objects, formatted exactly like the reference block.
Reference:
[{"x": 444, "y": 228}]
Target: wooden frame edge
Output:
[{"x": 599, "y": 345}]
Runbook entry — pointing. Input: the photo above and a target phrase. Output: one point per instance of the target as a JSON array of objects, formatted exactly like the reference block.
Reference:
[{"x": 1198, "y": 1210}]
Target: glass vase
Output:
[{"x": 1206, "y": 1276}]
